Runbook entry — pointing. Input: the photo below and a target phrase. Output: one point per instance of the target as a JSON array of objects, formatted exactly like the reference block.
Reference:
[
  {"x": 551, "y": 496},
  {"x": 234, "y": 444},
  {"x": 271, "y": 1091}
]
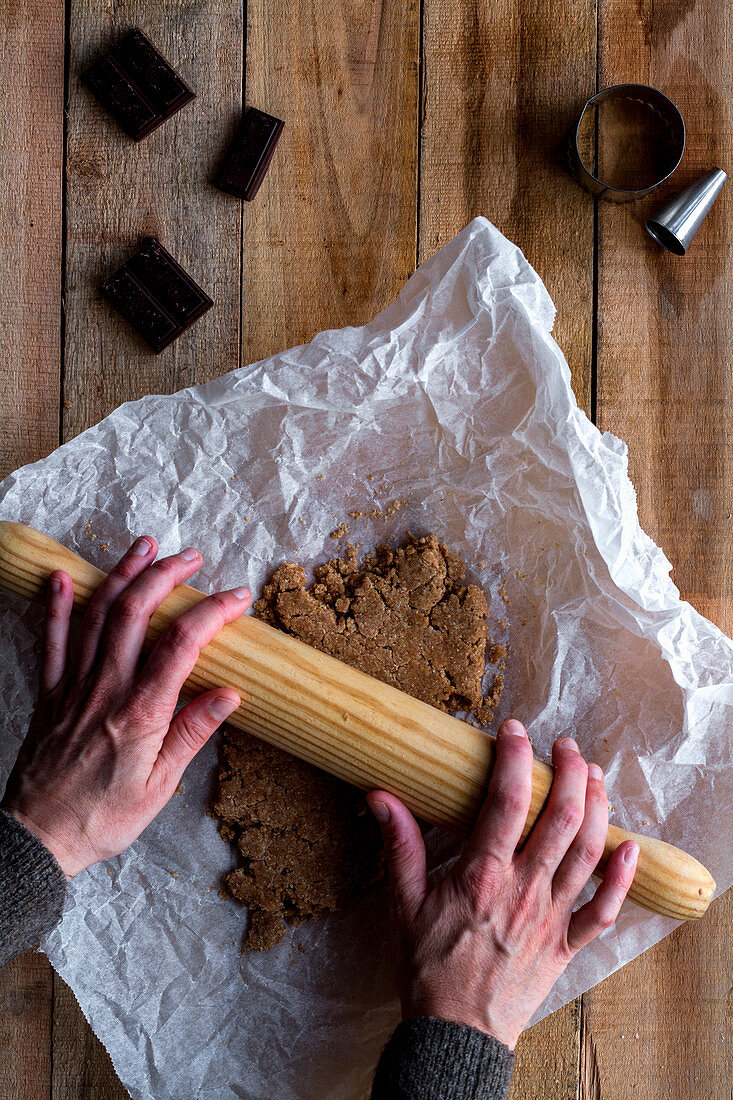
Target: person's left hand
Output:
[
  {"x": 104, "y": 752},
  {"x": 485, "y": 944}
]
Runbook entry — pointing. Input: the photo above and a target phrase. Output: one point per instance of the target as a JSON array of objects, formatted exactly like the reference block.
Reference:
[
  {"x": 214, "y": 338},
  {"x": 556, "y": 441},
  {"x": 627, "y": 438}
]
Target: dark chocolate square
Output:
[
  {"x": 159, "y": 82},
  {"x": 156, "y": 295},
  {"x": 121, "y": 98},
  {"x": 138, "y": 87},
  {"x": 250, "y": 154},
  {"x": 168, "y": 282}
]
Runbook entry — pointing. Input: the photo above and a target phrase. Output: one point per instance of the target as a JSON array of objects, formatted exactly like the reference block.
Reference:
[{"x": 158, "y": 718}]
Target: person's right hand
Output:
[
  {"x": 485, "y": 945},
  {"x": 104, "y": 751}
]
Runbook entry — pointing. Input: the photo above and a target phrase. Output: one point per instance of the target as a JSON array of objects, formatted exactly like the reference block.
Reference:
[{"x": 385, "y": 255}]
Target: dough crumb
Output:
[
  {"x": 380, "y": 513},
  {"x": 404, "y": 615}
]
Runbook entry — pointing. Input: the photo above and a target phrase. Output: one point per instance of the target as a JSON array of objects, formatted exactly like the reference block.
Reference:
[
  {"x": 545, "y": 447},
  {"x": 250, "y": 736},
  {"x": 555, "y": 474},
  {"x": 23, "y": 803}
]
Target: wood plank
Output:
[
  {"x": 502, "y": 85},
  {"x": 31, "y": 150},
  {"x": 25, "y": 1028},
  {"x": 665, "y": 322},
  {"x": 118, "y": 192},
  {"x": 661, "y": 1026},
  {"x": 664, "y": 342},
  {"x": 546, "y": 1063},
  {"x": 82, "y": 1068},
  {"x": 331, "y": 237}
]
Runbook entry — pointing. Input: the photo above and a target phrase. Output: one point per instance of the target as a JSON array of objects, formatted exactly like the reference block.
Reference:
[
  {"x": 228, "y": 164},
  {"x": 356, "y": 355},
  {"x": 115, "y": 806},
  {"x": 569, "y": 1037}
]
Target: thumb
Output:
[
  {"x": 192, "y": 727},
  {"x": 405, "y": 851}
]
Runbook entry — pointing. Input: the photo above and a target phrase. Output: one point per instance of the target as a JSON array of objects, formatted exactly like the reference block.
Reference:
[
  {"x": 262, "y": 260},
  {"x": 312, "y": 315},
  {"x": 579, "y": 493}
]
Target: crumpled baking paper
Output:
[{"x": 457, "y": 401}]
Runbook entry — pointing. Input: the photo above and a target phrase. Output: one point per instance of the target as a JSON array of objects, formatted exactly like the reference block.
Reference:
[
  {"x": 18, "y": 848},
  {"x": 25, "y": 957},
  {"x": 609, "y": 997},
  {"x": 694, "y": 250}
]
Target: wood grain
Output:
[
  {"x": 331, "y": 237},
  {"x": 118, "y": 192},
  {"x": 348, "y": 724},
  {"x": 546, "y": 1064},
  {"x": 31, "y": 158},
  {"x": 502, "y": 83},
  {"x": 82, "y": 1068},
  {"x": 661, "y": 1026},
  {"x": 665, "y": 386},
  {"x": 665, "y": 322},
  {"x": 26, "y": 1007}
]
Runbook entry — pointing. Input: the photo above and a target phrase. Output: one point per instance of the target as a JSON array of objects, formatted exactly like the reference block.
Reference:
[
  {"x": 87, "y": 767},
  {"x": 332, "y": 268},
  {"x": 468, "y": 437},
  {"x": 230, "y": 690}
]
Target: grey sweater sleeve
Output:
[
  {"x": 32, "y": 889},
  {"x": 425, "y": 1059},
  {"x": 429, "y": 1059}
]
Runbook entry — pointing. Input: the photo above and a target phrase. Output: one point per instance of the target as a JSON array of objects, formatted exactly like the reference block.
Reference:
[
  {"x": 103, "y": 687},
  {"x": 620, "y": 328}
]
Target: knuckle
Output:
[
  {"x": 590, "y": 851},
  {"x": 598, "y": 801},
  {"x": 566, "y": 819},
  {"x": 618, "y": 886},
  {"x": 510, "y": 801},
  {"x": 96, "y": 615},
  {"x": 398, "y": 852},
  {"x": 181, "y": 635},
  {"x": 219, "y": 603},
  {"x": 191, "y": 732},
  {"x": 127, "y": 569},
  {"x": 51, "y": 650},
  {"x": 129, "y": 608},
  {"x": 604, "y": 919},
  {"x": 166, "y": 567},
  {"x": 574, "y": 764}
]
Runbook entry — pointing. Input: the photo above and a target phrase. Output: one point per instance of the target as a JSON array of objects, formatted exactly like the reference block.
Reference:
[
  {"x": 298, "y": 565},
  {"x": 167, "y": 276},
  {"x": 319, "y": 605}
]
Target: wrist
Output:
[
  {"x": 445, "y": 1008},
  {"x": 66, "y": 863}
]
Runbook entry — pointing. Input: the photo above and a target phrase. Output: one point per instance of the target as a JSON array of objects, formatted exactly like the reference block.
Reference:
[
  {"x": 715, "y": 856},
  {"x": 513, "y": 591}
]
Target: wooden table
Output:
[{"x": 405, "y": 119}]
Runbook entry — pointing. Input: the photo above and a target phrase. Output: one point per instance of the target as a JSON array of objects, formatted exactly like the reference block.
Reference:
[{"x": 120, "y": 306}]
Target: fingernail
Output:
[
  {"x": 380, "y": 811},
  {"x": 141, "y": 547},
  {"x": 513, "y": 726},
  {"x": 594, "y": 772},
  {"x": 221, "y": 707},
  {"x": 241, "y": 593},
  {"x": 568, "y": 743},
  {"x": 189, "y": 554},
  {"x": 631, "y": 854},
  {"x": 54, "y": 584}
]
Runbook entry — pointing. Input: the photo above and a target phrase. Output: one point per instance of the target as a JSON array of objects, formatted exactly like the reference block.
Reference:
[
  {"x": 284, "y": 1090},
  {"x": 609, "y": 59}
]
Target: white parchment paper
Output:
[{"x": 458, "y": 399}]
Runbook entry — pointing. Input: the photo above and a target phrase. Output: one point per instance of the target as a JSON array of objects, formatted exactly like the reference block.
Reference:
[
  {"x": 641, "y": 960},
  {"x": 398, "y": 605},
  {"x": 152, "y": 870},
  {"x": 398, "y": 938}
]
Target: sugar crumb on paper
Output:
[{"x": 404, "y": 615}]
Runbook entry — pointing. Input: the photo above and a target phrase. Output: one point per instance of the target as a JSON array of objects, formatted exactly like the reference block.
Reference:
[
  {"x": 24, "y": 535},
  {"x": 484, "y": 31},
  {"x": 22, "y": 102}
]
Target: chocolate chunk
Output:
[
  {"x": 137, "y": 85},
  {"x": 156, "y": 295},
  {"x": 250, "y": 154}
]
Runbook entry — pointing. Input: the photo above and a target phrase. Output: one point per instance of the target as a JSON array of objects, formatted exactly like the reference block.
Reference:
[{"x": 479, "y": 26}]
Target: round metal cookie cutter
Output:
[{"x": 674, "y": 126}]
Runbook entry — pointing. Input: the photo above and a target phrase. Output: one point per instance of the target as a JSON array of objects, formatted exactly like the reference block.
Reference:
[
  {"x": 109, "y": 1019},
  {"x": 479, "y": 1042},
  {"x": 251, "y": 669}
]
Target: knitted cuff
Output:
[
  {"x": 32, "y": 889},
  {"x": 428, "y": 1059}
]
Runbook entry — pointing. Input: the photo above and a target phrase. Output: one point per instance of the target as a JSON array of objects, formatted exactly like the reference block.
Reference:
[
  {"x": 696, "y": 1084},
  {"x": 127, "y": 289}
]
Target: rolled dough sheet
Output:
[{"x": 403, "y": 615}]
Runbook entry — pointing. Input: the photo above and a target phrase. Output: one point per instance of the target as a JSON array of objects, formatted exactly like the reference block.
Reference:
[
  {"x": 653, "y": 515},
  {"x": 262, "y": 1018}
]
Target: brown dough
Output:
[{"x": 404, "y": 616}]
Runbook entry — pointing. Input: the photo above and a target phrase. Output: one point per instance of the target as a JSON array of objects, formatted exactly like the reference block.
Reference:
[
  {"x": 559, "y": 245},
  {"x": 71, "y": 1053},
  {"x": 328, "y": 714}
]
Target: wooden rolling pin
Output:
[{"x": 350, "y": 724}]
